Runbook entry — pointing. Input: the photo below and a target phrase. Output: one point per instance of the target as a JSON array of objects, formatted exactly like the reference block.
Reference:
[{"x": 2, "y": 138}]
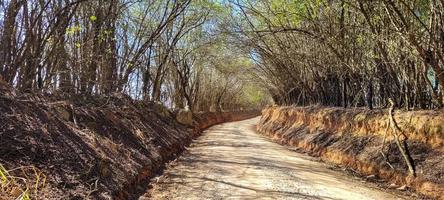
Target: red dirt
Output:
[
  {"x": 231, "y": 161},
  {"x": 90, "y": 147},
  {"x": 353, "y": 137}
]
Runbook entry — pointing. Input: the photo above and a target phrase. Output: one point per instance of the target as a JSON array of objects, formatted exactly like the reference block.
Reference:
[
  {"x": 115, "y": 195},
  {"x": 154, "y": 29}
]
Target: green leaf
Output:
[
  {"x": 3, "y": 178},
  {"x": 25, "y": 196},
  {"x": 93, "y": 18}
]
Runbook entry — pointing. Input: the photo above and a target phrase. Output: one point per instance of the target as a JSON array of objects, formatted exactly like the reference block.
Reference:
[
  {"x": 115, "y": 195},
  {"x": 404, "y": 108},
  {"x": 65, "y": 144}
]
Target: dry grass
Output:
[{"x": 22, "y": 183}]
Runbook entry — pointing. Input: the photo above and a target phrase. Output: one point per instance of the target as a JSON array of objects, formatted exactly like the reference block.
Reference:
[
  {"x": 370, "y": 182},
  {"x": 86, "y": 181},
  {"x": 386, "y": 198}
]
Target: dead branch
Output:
[{"x": 400, "y": 142}]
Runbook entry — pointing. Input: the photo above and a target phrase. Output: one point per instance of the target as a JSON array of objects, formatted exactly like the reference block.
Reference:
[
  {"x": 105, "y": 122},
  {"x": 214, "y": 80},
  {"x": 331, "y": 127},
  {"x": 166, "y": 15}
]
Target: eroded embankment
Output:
[
  {"x": 230, "y": 161},
  {"x": 353, "y": 138},
  {"x": 95, "y": 147},
  {"x": 207, "y": 119}
]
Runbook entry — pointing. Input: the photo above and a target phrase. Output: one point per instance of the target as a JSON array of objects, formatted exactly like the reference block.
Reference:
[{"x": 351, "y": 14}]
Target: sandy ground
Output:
[{"x": 231, "y": 161}]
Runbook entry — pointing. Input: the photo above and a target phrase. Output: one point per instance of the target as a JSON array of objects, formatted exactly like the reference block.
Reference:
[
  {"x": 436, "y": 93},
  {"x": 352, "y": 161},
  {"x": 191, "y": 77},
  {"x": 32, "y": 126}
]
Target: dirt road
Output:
[{"x": 231, "y": 161}]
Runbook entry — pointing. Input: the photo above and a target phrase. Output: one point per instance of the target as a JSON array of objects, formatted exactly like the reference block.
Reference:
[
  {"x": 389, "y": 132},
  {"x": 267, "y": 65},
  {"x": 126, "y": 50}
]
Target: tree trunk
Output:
[{"x": 344, "y": 92}]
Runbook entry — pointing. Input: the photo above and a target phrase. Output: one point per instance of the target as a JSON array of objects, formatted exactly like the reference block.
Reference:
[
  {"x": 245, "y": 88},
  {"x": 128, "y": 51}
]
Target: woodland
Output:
[
  {"x": 100, "y": 94},
  {"x": 228, "y": 54}
]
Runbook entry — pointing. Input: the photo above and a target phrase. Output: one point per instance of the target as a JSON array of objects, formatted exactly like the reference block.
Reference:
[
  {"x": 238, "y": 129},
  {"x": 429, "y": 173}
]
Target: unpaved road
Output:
[{"x": 231, "y": 161}]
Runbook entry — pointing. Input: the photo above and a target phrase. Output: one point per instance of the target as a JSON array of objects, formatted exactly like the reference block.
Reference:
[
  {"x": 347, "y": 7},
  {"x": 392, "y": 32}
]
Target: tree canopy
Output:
[{"x": 230, "y": 54}]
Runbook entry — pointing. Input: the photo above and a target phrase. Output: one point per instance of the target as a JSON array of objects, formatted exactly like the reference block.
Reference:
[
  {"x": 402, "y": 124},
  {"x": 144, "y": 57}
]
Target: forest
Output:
[
  {"x": 348, "y": 53},
  {"x": 228, "y": 54},
  {"x": 99, "y": 97},
  {"x": 165, "y": 51}
]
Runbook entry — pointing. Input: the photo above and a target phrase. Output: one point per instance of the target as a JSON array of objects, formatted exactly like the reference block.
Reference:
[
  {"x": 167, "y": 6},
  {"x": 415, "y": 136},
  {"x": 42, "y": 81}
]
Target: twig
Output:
[{"x": 92, "y": 190}]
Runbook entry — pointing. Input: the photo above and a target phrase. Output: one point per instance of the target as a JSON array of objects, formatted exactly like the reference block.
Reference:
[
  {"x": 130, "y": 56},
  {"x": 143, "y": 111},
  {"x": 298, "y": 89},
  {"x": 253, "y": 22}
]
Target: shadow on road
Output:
[{"x": 230, "y": 161}]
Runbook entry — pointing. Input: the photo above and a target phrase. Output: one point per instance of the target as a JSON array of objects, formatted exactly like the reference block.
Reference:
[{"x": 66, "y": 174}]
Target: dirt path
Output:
[{"x": 231, "y": 161}]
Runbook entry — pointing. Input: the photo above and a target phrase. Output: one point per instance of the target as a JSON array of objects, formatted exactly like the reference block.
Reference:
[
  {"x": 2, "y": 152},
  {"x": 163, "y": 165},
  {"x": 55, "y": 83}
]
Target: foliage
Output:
[
  {"x": 345, "y": 52},
  {"x": 156, "y": 50}
]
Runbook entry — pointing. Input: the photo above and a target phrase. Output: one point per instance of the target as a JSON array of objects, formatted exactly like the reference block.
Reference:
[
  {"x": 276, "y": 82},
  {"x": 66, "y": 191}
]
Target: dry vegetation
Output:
[
  {"x": 166, "y": 51},
  {"x": 31, "y": 182},
  {"x": 88, "y": 147},
  {"x": 346, "y": 52},
  {"x": 89, "y": 90},
  {"x": 358, "y": 139},
  {"x": 80, "y": 81}
]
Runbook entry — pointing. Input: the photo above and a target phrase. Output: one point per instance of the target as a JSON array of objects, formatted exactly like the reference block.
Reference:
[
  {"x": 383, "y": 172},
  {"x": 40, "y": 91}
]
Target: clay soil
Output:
[
  {"x": 352, "y": 138},
  {"x": 88, "y": 147},
  {"x": 231, "y": 161}
]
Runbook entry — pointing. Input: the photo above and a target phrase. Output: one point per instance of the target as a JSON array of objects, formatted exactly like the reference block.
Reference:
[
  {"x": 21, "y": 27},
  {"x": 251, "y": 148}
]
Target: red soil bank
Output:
[
  {"x": 353, "y": 138},
  {"x": 205, "y": 120},
  {"x": 91, "y": 147}
]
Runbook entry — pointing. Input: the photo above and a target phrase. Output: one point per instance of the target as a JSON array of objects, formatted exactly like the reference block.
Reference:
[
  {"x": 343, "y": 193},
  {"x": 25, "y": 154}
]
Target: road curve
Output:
[{"x": 231, "y": 161}]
